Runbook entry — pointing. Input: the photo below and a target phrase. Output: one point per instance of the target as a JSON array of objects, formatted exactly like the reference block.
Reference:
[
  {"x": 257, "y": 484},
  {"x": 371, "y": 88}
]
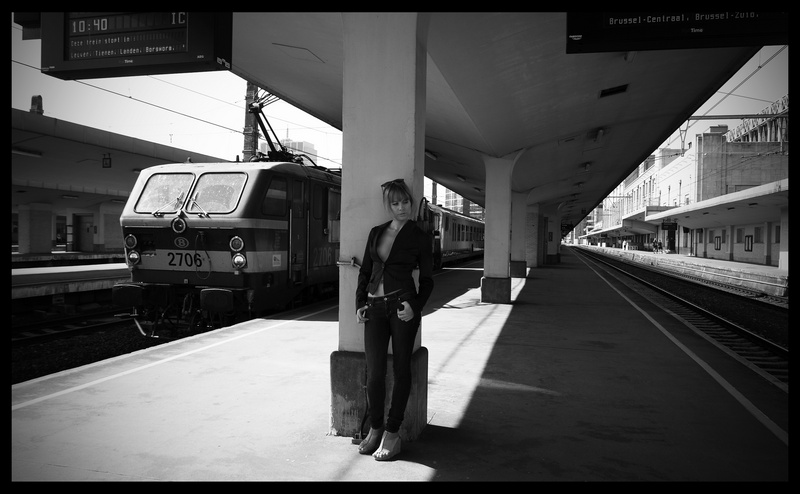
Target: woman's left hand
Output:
[{"x": 405, "y": 313}]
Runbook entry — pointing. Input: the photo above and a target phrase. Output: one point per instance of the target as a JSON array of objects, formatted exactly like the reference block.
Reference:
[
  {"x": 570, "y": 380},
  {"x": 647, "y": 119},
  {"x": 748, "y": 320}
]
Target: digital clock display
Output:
[
  {"x": 85, "y": 45},
  {"x": 126, "y": 34}
]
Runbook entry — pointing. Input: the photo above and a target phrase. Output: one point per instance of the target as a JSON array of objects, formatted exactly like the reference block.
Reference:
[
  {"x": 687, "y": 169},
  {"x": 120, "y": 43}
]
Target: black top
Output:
[{"x": 412, "y": 248}]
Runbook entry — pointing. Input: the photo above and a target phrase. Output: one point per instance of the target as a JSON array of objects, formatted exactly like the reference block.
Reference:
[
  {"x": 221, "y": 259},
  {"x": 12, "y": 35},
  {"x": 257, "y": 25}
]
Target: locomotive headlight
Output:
[
  {"x": 236, "y": 243},
  {"x": 178, "y": 225},
  {"x": 130, "y": 241},
  {"x": 239, "y": 261},
  {"x": 133, "y": 257}
]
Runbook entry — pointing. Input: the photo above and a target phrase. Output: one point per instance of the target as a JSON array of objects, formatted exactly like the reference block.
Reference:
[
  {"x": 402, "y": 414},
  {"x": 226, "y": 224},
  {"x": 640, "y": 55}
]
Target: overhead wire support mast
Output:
[{"x": 274, "y": 153}]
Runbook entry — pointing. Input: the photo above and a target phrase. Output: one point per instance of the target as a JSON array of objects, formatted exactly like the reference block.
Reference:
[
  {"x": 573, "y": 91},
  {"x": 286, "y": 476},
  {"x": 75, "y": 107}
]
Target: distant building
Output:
[
  {"x": 722, "y": 164},
  {"x": 438, "y": 194},
  {"x": 297, "y": 147},
  {"x": 455, "y": 202}
]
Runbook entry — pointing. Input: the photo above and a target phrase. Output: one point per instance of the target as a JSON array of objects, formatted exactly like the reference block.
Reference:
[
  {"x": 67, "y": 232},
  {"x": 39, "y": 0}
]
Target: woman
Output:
[{"x": 389, "y": 305}]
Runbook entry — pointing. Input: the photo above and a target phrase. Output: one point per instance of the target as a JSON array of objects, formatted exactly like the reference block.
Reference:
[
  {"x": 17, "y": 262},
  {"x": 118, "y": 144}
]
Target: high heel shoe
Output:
[
  {"x": 389, "y": 448},
  {"x": 370, "y": 443}
]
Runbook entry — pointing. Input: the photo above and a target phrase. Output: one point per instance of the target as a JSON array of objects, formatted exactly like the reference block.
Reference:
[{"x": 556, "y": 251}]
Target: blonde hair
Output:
[{"x": 396, "y": 190}]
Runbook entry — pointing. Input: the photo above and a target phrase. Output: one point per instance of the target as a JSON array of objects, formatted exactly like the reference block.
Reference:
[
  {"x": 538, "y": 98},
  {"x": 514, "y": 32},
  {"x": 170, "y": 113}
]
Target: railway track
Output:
[
  {"x": 757, "y": 334},
  {"x": 54, "y": 344},
  {"x": 750, "y": 326},
  {"x": 59, "y": 327}
]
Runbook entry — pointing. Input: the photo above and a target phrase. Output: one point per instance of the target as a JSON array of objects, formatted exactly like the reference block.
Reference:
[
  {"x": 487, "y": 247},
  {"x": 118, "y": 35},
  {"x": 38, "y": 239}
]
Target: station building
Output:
[
  {"x": 70, "y": 182},
  {"x": 726, "y": 197}
]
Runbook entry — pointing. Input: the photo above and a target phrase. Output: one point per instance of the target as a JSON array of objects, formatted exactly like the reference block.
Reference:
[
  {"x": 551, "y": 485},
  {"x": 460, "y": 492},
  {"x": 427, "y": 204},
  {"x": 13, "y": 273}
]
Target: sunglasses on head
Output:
[{"x": 390, "y": 182}]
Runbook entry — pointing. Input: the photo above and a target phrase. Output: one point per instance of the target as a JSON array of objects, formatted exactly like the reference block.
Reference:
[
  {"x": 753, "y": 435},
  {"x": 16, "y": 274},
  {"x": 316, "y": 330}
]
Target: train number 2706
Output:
[{"x": 184, "y": 259}]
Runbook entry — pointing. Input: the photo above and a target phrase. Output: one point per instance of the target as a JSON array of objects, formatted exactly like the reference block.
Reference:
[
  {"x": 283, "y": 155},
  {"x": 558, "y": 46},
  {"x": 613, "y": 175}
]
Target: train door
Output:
[
  {"x": 323, "y": 234},
  {"x": 85, "y": 231},
  {"x": 318, "y": 226},
  {"x": 671, "y": 245},
  {"x": 298, "y": 233}
]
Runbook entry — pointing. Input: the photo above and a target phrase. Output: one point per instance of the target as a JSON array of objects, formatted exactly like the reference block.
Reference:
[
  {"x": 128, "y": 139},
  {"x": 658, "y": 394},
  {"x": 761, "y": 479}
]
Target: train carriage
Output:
[{"x": 456, "y": 236}]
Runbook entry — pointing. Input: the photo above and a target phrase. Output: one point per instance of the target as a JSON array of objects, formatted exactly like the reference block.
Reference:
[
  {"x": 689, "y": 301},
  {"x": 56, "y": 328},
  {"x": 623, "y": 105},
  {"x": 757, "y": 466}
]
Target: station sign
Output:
[
  {"x": 594, "y": 32},
  {"x": 669, "y": 226},
  {"x": 89, "y": 45}
]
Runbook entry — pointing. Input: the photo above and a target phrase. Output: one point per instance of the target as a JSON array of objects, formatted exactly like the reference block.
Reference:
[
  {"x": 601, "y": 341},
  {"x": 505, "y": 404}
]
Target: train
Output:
[
  {"x": 456, "y": 236},
  {"x": 208, "y": 244}
]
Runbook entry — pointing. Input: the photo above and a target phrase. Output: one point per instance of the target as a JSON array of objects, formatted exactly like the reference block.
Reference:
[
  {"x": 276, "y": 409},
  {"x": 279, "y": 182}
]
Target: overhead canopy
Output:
[{"x": 501, "y": 83}]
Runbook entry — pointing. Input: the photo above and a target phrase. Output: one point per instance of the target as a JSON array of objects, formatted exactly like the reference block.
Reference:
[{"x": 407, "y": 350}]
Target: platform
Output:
[
  {"x": 763, "y": 278},
  {"x": 575, "y": 380},
  {"x": 55, "y": 280}
]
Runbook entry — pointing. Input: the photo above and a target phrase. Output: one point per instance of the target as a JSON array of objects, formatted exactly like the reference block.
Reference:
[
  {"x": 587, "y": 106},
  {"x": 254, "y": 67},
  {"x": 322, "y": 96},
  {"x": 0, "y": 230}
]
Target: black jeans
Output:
[{"x": 383, "y": 324}]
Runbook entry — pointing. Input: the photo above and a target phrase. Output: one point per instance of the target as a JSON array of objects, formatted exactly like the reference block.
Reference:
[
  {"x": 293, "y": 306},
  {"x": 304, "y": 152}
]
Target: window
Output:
[
  {"x": 710, "y": 236},
  {"x": 739, "y": 235},
  {"x": 758, "y": 236},
  {"x": 217, "y": 193},
  {"x": 777, "y": 234},
  {"x": 748, "y": 243},
  {"x": 164, "y": 193},
  {"x": 275, "y": 200},
  {"x": 717, "y": 242}
]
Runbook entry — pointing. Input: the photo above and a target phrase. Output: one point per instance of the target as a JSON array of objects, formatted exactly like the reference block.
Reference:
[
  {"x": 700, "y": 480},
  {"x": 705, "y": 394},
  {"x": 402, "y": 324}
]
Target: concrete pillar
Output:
[
  {"x": 533, "y": 234},
  {"x": 35, "y": 228},
  {"x": 553, "y": 236},
  {"x": 496, "y": 281},
  {"x": 383, "y": 127},
  {"x": 702, "y": 250},
  {"x": 517, "y": 265}
]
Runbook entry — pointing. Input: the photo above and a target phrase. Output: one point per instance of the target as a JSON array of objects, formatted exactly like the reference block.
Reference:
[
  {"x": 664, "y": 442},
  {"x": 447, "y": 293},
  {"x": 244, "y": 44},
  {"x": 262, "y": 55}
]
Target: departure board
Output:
[
  {"x": 126, "y": 34},
  {"x": 593, "y": 32},
  {"x": 85, "y": 45}
]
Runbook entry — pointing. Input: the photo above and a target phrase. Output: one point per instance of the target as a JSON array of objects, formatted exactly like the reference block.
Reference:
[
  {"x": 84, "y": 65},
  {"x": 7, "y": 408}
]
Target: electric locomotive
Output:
[{"x": 211, "y": 243}]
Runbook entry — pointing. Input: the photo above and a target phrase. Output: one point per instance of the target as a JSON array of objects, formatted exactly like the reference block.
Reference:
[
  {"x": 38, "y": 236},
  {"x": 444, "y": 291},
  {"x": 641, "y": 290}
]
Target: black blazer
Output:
[{"x": 412, "y": 249}]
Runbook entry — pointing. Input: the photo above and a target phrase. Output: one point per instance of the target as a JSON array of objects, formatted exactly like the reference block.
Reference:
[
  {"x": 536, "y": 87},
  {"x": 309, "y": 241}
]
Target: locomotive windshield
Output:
[
  {"x": 164, "y": 193},
  {"x": 216, "y": 193},
  {"x": 167, "y": 193}
]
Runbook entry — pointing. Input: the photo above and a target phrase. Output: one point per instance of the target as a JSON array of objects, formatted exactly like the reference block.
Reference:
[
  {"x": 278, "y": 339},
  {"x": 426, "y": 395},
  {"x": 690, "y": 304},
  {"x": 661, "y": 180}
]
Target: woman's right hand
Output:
[{"x": 361, "y": 315}]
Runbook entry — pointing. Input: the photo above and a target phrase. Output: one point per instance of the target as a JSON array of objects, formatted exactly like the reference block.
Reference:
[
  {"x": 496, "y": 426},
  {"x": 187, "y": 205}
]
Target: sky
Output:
[
  {"x": 202, "y": 112},
  {"x": 759, "y": 83},
  {"x": 205, "y": 112}
]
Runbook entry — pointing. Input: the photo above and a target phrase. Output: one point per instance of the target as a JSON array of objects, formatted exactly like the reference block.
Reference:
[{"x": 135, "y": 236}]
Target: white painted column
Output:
[
  {"x": 554, "y": 237},
  {"x": 496, "y": 281},
  {"x": 517, "y": 265},
  {"x": 533, "y": 234},
  {"x": 383, "y": 127}
]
